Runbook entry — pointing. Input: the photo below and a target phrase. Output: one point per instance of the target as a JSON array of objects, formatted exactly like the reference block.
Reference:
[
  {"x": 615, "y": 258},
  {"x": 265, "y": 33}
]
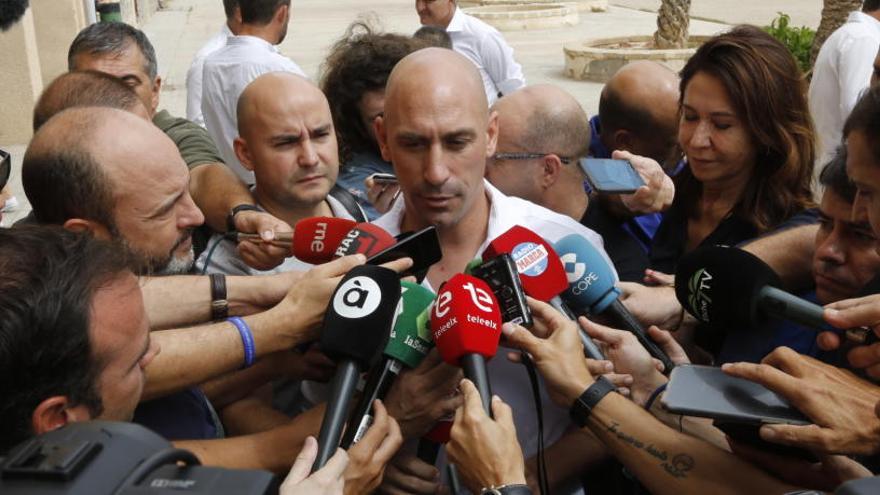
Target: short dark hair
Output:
[
  {"x": 259, "y": 12},
  {"x": 834, "y": 177},
  {"x": 359, "y": 62},
  {"x": 229, "y": 7},
  {"x": 48, "y": 278},
  {"x": 865, "y": 118},
  {"x": 434, "y": 36},
  {"x": 83, "y": 89},
  {"x": 10, "y": 12},
  {"x": 871, "y": 5},
  {"x": 65, "y": 181},
  {"x": 615, "y": 114},
  {"x": 112, "y": 38}
]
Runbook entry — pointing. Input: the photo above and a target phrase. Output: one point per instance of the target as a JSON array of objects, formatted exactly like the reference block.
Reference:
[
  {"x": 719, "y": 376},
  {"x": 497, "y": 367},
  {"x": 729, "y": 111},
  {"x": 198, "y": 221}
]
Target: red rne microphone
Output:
[
  {"x": 466, "y": 325},
  {"x": 364, "y": 238},
  {"x": 315, "y": 239}
]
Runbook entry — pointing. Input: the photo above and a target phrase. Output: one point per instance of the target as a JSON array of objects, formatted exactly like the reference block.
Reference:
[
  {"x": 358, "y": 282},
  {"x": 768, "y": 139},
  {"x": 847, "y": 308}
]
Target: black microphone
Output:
[{"x": 356, "y": 328}]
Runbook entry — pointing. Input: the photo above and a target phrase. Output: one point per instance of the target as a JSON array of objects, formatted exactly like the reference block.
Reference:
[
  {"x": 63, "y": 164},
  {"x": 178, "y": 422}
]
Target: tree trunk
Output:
[
  {"x": 672, "y": 24},
  {"x": 834, "y": 14}
]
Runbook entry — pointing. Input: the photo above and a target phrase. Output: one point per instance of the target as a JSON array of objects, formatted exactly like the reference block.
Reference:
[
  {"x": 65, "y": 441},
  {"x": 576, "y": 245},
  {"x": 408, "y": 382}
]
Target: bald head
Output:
[
  {"x": 86, "y": 89},
  {"x": 272, "y": 92},
  {"x": 638, "y": 110}
]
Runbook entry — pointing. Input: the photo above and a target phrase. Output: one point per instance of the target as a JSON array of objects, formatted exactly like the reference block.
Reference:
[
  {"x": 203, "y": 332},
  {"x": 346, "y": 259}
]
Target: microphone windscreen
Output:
[
  {"x": 719, "y": 285},
  {"x": 536, "y": 261},
  {"x": 466, "y": 319},
  {"x": 315, "y": 238},
  {"x": 365, "y": 238},
  {"x": 590, "y": 277},
  {"x": 361, "y": 314},
  {"x": 410, "y": 340}
]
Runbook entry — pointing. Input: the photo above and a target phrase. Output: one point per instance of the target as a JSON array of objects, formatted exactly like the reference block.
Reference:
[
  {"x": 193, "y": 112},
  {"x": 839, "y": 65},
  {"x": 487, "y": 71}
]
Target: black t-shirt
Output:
[{"x": 628, "y": 255}]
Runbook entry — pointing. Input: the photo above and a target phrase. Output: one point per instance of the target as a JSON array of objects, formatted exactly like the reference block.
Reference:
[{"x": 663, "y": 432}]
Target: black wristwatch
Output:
[
  {"x": 584, "y": 405},
  {"x": 230, "y": 218},
  {"x": 518, "y": 489}
]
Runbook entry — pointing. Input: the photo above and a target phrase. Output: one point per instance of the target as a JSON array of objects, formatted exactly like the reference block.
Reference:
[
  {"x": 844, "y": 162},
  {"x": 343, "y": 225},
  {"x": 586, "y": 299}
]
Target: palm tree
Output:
[
  {"x": 834, "y": 14},
  {"x": 672, "y": 24}
]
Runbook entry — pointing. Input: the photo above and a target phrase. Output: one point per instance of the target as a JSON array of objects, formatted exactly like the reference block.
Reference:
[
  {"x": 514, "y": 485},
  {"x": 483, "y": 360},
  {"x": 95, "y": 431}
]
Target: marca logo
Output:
[
  {"x": 357, "y": 297},
  {"x": 573, "y": 270},
  {"x": 531, "y": 259},
  {"x": 698, "y": 299}
]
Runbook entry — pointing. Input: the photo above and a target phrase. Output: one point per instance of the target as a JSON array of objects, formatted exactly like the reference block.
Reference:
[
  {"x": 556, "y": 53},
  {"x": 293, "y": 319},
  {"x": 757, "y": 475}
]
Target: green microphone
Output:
[{"x": 410, "y": 340}]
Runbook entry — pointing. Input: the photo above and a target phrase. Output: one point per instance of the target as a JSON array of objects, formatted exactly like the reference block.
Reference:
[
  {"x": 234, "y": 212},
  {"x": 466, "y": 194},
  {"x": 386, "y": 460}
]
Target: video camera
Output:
[{"x": 105, "y": 457}]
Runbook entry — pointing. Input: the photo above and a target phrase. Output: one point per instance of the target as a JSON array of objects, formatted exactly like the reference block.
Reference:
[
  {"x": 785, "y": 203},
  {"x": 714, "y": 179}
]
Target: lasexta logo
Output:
[{"x": 698, "y": 297}]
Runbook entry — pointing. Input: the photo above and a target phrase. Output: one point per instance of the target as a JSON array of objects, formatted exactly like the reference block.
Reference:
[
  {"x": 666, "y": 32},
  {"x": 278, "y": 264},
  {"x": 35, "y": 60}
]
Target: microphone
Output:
[
  {"x": 356, "y": 327},
  {"x": 591, "y": 290},
  {"x": 365, "y": 238},
  {"x": 541, "y": 272},
  {"x": 729, "y": 288},
  {"x": 312, "y": 241},
  {"x": 466, "y": 326},
  {"x": 408, "y": 343}
]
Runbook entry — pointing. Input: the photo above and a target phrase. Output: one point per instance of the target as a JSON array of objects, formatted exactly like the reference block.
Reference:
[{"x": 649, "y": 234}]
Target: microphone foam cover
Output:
[
  {"x": 361, "y": 314},
  {"x": 719, "y": 285},
  {"x": 410, "y": 340},
  {"x": 365, "y": 238},
  {"x": 466, "y": 319},
  {"x": 536, "y": 261},
  {"x": 590, "y": 278},
  {"x": 315, "y": 238}
]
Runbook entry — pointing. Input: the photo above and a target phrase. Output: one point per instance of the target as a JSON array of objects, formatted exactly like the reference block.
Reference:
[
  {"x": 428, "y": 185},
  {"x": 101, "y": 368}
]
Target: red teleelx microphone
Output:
[
  {"x": 364, "y": 238},
  {"x": 541, "y": 272},
  {"x": 466, "y": 325},
  {"x": 315, "y": 239}
]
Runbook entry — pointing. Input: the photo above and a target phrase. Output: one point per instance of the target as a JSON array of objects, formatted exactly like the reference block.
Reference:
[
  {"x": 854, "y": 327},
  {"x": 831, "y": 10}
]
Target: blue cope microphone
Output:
[
  {"x": 591, "y": 290},
  {"x": 356, "y": 328}
]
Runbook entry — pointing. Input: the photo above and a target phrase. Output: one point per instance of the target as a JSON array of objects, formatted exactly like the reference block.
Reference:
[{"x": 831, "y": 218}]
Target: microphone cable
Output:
[{"x": 529, "y": 364}]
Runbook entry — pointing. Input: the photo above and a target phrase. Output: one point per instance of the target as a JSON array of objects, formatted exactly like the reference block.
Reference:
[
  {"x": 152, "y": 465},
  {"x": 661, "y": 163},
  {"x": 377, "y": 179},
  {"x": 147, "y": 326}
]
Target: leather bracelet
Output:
[
  {"x": 582, "y": 408},
  {"x": 219, "y": 303},
  {"x": 230, "y": 219},
  {"x": 515, "y": 489}
]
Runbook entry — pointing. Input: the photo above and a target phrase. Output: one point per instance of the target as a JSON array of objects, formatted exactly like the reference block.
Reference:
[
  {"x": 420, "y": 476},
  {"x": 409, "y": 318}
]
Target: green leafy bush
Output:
[{"x": 798, "y": 40}]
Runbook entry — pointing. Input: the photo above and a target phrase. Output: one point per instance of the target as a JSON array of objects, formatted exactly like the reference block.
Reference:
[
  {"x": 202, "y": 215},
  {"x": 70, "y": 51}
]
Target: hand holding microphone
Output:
[{"x": 312, "y": 240}]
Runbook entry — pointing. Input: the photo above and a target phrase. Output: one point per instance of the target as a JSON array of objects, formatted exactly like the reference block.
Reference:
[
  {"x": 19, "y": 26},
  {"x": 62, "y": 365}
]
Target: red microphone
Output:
[
  {"x": 365, "y": 238},
  {"x": 315, "y": 238},
  {"x": 466, "y": 325}
]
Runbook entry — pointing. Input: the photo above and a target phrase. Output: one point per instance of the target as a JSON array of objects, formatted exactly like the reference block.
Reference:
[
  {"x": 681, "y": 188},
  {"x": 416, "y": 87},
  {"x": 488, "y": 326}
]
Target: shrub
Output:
[{"x": 798, "y": 40}]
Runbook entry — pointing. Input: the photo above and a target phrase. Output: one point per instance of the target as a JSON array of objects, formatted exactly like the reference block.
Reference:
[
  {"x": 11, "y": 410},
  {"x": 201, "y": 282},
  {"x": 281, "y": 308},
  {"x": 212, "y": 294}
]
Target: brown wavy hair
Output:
[{"x": 769, "y": 96}]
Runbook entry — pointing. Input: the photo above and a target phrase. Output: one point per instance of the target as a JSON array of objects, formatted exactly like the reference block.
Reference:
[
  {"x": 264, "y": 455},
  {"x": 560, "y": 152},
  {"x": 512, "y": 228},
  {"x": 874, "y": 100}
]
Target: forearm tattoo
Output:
[{"x": 677, "y": 465}]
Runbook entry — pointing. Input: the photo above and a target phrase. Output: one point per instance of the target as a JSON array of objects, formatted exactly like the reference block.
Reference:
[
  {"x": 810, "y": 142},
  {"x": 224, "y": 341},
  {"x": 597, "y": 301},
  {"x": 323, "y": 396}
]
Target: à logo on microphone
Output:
[
  {"x": 357, "y": 297},
  {"x": 531, "y": 259},
  {"x": 698, "y": 299}
]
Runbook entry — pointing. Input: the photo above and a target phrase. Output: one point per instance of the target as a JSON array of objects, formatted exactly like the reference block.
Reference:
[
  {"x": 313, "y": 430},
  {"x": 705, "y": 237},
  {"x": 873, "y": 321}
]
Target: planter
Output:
[
  {"x": 521, "y": 17},
  {"x": 582, "y": 5},
  {"x": 598, "y": 60}
]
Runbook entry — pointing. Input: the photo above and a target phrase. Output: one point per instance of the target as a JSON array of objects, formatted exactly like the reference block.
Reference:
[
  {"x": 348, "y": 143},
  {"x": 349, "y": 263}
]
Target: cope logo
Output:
[
  {"x": 531, "y": 259},
  {"x": 357, "y": 297},
  {"x": 698, "y": 297},
  {"x": 573, "y": 269}
]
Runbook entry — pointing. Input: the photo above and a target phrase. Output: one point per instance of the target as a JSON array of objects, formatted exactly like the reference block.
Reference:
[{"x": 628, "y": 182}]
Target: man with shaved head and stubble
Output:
[{"x": 437, "y": 132}]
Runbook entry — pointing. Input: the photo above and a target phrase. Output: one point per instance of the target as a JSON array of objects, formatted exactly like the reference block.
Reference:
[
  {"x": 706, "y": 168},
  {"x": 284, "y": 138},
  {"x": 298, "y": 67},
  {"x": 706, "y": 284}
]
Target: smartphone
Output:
[
  {"x": 501, "y": 276},
  {"x": 384, "y": 179},
  {"x": 611, "y": 176},
  {"x": 423, "y": 247}
]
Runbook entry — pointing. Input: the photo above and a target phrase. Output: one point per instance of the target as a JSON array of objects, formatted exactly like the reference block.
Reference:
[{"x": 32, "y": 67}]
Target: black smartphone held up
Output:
[
  {"x": 384, "y": 179},
  {"x": 501, "y": 275},
  {"x": 610, "y": 176},
  {"x": 423, "y": 247}
]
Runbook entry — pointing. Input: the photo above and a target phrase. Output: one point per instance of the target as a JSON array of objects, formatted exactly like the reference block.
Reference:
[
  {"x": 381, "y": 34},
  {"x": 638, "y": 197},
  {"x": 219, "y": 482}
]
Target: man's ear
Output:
[
  {"x": 622, "y": 140},
  {"x": 97, "y": 230},
  {"x": 281, "y": 15},
  {"x": 382, "y": 137},
  {"x": 492, "y": 134},
  {"x": 551, "y": 170},
  {"x": 154, "y": 100},
  {"x": 55, "y": 412},
  {"x": 239, "y": 145}
]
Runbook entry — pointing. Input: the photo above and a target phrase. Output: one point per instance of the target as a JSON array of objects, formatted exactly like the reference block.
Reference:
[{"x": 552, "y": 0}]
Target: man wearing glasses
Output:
[{"x": 7, "y": 201}]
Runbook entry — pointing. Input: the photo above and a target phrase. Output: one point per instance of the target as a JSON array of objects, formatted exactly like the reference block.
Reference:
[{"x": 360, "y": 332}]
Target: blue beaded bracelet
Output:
[
  {"x": 247, "y": 340},
  {"x": 659, "y": 390}
]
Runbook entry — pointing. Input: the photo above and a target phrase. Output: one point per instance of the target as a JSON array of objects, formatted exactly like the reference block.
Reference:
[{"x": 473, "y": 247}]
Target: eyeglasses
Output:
[
  {"x": 5, "y": 167},
  {"x": 528, "y": 156}
]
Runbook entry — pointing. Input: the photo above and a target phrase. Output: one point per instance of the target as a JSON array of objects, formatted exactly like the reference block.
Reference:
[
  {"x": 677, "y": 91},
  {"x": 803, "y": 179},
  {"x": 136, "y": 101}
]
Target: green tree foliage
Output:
[{"x": 798, "y": 40}]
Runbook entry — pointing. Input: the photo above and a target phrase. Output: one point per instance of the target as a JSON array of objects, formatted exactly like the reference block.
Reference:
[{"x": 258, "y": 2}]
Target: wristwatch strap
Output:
[
  {"x": 518, "y": 489},
  {"x": 219, "y": 303},
  {"x": 582, "y": 408},
  {"x": 230, "y": 219}
]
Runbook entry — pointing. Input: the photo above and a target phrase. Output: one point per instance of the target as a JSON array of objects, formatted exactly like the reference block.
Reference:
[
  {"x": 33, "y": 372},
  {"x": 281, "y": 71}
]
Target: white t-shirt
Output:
[
  {"x": 225, "y": 75},
  {"x": 509, "y": 380},
  {"x": 483, "y": 45},
  {"x": 842, "y": 72},
  {"x": 194, "y": 75}
]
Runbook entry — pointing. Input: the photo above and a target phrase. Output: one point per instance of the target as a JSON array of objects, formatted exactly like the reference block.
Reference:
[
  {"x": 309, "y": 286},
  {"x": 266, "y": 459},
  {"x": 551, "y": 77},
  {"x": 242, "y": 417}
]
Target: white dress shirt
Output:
[
  {"x": 483, "y": 45},
  {"x": 509, "y": 380},
  {"x": 225, "y": 75},
  {"x": 842, "y": 71},
  {"x": 194, "y": 75}
]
